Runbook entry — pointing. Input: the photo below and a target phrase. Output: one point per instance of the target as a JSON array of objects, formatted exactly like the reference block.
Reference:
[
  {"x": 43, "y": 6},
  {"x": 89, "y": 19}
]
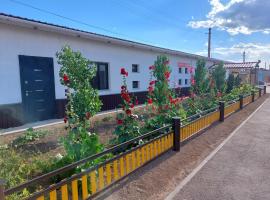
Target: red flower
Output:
[
  {"x": 219, "y": 94},
  {"x": 152, "y": 82},
  {"x": 123, "y": 71},
  {"x": 150, "y": 89},
  {"x": 192, "y": 81},
  {"x": 152, "y": 67},
  {"x": 190, "y": 69},
  {"x": 65, "y": 119},
  {"x": 132, "y": 105},
  {"x": 136, "y": 102},
  {"x": 87, "y": 115},
  {"x": 123, "y": 87},
  {"x": 65, "y": 78},
  {"x": 119, "y": 121},
  {"x": 150, "y": 101},
  {"x": 167, "y": 75},
  {"x": 128, "y": 112}
]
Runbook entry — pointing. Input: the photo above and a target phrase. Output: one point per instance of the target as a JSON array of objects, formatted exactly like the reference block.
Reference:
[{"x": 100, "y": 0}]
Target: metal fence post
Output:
[
  {"x": 264, "y": 89},
  {"x": 253, "y": 96},
  {"x": 176, "y": 123},
  {"x": 260, "y": 92},
  {"x": 221, "y": 110},
  {"x": 241, "y": 98},
  {"x": 2, "y": 189}
]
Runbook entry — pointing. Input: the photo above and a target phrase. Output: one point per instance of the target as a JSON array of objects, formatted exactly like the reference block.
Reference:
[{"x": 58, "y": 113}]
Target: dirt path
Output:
[
  {"x": 159, "y": 178},
  {"x": 240, "y": 169}
]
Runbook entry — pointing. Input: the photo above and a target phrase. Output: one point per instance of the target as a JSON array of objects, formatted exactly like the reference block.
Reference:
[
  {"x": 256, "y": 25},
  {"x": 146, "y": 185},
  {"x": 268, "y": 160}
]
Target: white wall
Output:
[{"x": 16, "y": 41}]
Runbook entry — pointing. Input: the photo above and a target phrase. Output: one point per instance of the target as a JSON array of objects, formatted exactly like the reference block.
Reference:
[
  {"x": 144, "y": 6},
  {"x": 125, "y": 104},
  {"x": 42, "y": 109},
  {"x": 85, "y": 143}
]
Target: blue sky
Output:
[{"x": 176, "y": 24}]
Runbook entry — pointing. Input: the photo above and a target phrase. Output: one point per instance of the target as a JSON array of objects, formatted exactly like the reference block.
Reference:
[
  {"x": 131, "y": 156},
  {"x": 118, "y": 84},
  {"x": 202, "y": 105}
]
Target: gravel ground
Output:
[{"x": 157, "y": 179}]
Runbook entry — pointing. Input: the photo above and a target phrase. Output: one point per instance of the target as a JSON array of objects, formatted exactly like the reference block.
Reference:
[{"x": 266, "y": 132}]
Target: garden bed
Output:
[{"x": 160, "y": 177}]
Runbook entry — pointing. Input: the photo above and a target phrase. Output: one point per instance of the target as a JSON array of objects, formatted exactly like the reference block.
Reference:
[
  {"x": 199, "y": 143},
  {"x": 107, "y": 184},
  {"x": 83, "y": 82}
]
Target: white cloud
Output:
[
  {"x": 237, "y": 16},
  {"x": 254, "y": 52}
]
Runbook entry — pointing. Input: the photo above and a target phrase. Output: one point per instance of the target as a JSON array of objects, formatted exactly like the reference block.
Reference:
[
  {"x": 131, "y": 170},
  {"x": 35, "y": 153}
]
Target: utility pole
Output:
[
  {"x": 244, "y": 57},
  {"x": 209, "y": 42}
]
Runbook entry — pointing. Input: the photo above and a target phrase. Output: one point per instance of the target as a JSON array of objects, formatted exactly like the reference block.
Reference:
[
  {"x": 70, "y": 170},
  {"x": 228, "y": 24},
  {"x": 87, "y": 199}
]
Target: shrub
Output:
[
  {"x": 219, "y": 74},
  {"x": 230, "y": 83},
  {"x": 77, "y": 74},
  {"x": 160, "y": 97},
  {"x": 201, "y": 82},
  {"x": 128, "y": 126},
  {"x": 30, "y": 135},
  {"x": 17, "y": 167}
]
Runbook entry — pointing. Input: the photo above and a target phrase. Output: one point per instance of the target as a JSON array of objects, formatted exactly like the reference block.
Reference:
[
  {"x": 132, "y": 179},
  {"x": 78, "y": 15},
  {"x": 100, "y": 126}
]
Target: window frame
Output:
[
  {"x": 135, "y": 88},
  {"x": 180, "y": 70},
  {"x": 186, "y": 81},
  {"x": 138, "y": 69},
  {"x": 186, "y": 70},
  {"x": 180, "y": 81},
  {"x": 96, "y": 80}
]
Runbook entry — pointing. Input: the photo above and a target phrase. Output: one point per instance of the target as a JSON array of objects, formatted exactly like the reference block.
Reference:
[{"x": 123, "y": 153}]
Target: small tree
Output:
[
  {"x": 76, "y": 74},
  {"x": 201, "y": 82},
  {"x": 219, "y": 75},
  {"x": 237, "y": 81},
  {"x": 158, "y": 90},
  {"x": 230, "y": 83},
  {"x": 160, "y": 96}
]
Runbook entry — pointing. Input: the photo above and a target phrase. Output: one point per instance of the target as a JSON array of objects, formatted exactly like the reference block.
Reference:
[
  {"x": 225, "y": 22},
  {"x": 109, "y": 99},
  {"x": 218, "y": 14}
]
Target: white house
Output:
[{"x": 29, "y": 82}]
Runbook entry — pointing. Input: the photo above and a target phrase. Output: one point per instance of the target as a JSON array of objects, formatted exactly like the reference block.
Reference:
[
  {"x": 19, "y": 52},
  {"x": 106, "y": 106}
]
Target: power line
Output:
[{"x": 74, "y": 20}]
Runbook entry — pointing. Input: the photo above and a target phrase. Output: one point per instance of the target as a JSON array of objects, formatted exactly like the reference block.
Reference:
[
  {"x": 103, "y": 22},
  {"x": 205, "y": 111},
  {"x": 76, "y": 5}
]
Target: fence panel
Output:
[
  {"x": 197, "y": 125},
  {"x": 231, "y": 108},
  {"x": 247, "y": 100},
  {"x": 90, "y": 182}
]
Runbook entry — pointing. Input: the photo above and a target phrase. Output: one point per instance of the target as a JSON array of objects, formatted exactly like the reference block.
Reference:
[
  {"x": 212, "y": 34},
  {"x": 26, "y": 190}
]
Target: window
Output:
[
  {"x": 180, "y": 70},
  {"x": 101, "y": 81},
  {"x": 135, "y": 84},
  {"x": 186, "y": 70},
  {"x": 135, "y": 68},
  {"x": 180, "y": 82},
  {"x": 186, "y": 81}
]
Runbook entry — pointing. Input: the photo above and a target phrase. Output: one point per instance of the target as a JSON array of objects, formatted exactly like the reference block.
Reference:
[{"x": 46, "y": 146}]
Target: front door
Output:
[{"x": 37, "y": 87}]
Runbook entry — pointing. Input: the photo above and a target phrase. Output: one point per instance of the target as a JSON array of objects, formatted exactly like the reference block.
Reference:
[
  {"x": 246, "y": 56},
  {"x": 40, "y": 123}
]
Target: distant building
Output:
[{"x": 247, "y": 71}]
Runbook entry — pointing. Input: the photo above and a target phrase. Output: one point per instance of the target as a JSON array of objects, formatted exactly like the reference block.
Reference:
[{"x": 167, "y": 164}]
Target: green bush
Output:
[
  {"x": 17, "y": 167},
  {"x": 30, "y": 135}
]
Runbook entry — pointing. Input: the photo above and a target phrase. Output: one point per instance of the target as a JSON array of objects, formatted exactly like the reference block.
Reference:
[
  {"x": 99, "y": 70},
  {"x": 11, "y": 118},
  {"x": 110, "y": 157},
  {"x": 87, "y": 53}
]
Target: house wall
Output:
[{"x": 15, "y": 40}]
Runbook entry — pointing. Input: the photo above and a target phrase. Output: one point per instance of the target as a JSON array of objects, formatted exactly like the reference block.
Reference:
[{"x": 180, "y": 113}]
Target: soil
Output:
[
  {"x": 103, "y": 124},
  {"x": 157, "y": 179}
]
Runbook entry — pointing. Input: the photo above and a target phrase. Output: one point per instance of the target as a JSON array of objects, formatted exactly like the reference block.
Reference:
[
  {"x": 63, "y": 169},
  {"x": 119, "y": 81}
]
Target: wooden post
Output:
[
  {"x": 253, "y": 96},
  {"x": 2, "y": 189},
  {"x": 176, "y": 122},
  {"x": 241, "y": 101},
  {"x": 264, "y": 89},
  {"x": 221, "y": 110},
  {"x": 260, "y": 92}
]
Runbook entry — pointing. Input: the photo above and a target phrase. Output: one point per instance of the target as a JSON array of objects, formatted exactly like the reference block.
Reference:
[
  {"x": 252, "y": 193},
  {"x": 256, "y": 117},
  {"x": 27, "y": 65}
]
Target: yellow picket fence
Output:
[
  {"x": 197, "y": 125},
  {"x": 93, "y": 181},
  {"x": 231, "y": 108},
  {"x": 247, "y": 100}
]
